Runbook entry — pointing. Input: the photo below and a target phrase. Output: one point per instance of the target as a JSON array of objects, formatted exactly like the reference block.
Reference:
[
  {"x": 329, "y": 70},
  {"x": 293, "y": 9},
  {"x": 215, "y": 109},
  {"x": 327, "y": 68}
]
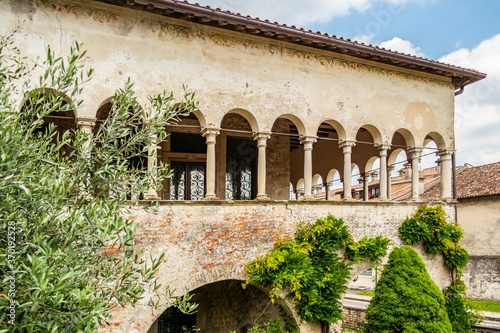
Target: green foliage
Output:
[
  {"x": 68, "y": 248},
  {"x": 460, "y": 311},
  {"x": 273, "y": 326},
  {"x": 429, "y": 226},
  {"x": 311, "y": 268},
  {"x": 406, "y": 299}
]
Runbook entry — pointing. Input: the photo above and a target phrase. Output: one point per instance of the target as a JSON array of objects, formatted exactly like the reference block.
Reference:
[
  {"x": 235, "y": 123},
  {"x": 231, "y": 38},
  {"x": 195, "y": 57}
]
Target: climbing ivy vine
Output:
[
  {"x": 428, "y": 225},
  {"x": 315, "y": 267}
]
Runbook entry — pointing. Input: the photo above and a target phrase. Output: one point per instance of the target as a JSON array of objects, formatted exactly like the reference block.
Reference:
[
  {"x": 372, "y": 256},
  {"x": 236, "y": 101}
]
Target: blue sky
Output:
[{"x": 460, "y": 32}]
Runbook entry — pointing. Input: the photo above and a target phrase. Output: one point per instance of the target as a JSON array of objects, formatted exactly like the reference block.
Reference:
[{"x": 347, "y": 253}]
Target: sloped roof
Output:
[
  {"x": 479, "y": 181},
  {"x": 206, "y": 15}
]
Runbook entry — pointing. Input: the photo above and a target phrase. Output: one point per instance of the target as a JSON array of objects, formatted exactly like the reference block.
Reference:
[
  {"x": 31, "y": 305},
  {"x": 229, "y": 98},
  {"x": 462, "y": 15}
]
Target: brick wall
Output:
[{"x": 207, "y": 242}]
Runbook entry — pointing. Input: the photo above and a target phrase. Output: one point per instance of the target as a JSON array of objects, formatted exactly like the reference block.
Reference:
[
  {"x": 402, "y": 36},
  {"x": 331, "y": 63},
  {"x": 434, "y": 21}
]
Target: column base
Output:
[
  {"x": 210, "y": 198},
  {"x": 262, "y": 197},
  {"x": 308, "y": 198},
  {"x": 152, "y": 195}
]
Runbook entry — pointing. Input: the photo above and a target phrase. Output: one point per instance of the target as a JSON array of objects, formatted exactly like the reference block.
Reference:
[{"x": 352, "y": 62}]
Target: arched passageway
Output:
[{"x": 224, "y": 306}]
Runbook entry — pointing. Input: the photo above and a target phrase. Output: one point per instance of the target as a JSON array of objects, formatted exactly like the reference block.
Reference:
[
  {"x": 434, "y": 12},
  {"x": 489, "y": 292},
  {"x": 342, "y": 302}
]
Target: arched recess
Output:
[
  {"x": 284, "y": 156},
  {"x": 407, "y": 138},
  {"x": 375, "y": 133},
  {"x": 242, "y": 308},
  {"x": 237, "y": 165},
  {"x": 437, "y": 138},
  {"x": 372, "y": 165},
  {"x": 339, "y": 129},
  {"x": 326, "y": 153},
  {"x": 63, "y": 116},
  {"x": 367, "y": 137},
  {"x": 254, "y": 126}
]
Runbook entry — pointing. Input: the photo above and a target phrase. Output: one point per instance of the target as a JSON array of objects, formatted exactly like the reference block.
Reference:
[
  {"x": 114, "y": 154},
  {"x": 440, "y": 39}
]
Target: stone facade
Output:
[{"x": 309, "y": 108}]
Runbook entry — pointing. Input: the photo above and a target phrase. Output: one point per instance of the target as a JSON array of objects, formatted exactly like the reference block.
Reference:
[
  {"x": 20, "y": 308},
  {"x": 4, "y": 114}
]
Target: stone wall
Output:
[
  {"x": 353, "y": 317},
  {"x": 482, "y": 278},
  {"x": 207, "y": 242}
]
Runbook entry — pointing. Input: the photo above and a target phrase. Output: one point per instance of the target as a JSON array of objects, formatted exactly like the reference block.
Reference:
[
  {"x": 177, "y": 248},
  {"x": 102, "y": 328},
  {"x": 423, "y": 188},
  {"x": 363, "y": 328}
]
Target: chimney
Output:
[{"x": 374, "y": 176}]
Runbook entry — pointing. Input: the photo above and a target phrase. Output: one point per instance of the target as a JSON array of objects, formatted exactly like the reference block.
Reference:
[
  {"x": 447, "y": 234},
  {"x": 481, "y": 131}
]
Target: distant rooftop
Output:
[
  {"x": 479, "y": 181},
  {"x": 206, "y": 15}
]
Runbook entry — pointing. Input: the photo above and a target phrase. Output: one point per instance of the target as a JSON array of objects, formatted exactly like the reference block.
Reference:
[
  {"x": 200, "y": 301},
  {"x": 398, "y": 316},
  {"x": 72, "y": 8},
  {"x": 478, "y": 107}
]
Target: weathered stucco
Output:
[
  {"x": 480, "y": 219},
  {"x": 234, "y": 71}
]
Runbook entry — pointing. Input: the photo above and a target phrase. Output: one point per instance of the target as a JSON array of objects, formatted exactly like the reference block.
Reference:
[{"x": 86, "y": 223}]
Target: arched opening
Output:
[
  {"x": 399, "y": 166},
  {"x": 238, "y": 165},
  {"x": 137, "y": 159},
  {"x": 327, "y": 155},
  {"x": 224, "y": 306},
  {"x": 300, "y": 189},
  {"x": 318, "y": 186},
  {"x": 61, "y": 114},
  {"x": 285, "y": 158},
  {"x": 366, "y": 182},
  {"x": 185, "y": 152}
]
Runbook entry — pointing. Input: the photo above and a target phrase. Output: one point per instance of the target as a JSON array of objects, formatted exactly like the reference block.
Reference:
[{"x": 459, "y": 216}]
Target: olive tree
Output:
[{"x": 67, "y": 254}]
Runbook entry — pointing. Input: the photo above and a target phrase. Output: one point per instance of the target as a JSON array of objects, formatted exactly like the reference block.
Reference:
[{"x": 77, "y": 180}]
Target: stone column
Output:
[
  {"x": 151, "y": 194},
  {"x": 261, "y": 139},
  {"x": 210, "y": 134},
  {"x": 86, "y": 125},
  {"x": 382, "y": 151},
  {"x": 390, "y": 168},
  {"x": 327, "y": 187},
  {"x": 346, "y": 146},
  {"x": 308, "y": 141},
  {"x": 415, "y": 156},
  {"x": 366, "y": 176},
  {"x": 446, "y": 173}
]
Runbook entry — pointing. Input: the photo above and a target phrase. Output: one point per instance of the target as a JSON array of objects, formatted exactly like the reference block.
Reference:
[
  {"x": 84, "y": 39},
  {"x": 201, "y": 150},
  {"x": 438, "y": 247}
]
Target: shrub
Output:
[
  {"x": 406, "y": 299},
  {"x": 311, "y": 268}
]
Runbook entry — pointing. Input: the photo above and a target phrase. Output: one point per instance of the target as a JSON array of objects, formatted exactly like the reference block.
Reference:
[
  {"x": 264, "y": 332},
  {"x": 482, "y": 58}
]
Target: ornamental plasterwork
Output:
[{"x": 166, "y": 30}]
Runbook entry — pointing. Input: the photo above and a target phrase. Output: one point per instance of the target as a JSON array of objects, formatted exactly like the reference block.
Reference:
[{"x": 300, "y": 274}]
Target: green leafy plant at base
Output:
[
  {"x": 406, "y": 299},
  {"x": 460, "y": 311},
  {"x": 315, "y": 267},
  {"x": 68, "y": 254},
  {"x": 428, "y": 225}
]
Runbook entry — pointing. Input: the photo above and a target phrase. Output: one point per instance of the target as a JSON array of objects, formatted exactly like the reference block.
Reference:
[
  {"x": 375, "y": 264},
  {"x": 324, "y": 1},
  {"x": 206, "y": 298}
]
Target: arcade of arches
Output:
[{"x": 234, "y": 162}]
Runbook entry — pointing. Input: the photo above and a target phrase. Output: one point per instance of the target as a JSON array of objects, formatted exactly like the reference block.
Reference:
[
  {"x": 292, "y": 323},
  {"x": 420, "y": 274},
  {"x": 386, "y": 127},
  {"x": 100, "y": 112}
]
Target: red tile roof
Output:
[
  {"x": 206, "y": 15},
  {"x": 483, "y": 180}
]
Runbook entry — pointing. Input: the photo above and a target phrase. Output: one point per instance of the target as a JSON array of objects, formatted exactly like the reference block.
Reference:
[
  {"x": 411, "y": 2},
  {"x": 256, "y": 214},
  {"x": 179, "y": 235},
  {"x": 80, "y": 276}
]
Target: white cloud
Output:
[
  {"x": 297, "y": 12},
  {"x": 477, "y": 110},
  {"x": 401, "y": 45}
]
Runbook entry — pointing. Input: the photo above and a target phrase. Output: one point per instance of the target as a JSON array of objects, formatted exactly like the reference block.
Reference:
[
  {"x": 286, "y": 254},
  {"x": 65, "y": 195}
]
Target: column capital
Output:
[
  {"x": 85, "y": 122},
  {"x": 390, "y": 167},
  {"x": 347, "y": 143},
  {"x": 209, "y": 131},
  {"x": 262, "y": 136},
  {"x": 415, "y": 152},
  {"x": 445, "y": 152},
  {"x": 304, "y": 139},
  {"x": 383, "y": 147}
]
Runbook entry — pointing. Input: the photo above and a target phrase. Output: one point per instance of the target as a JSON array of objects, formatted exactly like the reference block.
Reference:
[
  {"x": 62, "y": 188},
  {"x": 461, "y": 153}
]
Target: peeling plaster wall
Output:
[
  {"x": 209, "y": 242},
  {"x": 229, "y": 70},
  {"x": 480, "y": 219}
]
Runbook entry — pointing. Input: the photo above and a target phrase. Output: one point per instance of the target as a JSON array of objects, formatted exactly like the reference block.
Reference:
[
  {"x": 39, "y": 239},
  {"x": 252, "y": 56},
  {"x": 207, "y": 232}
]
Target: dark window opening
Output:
[
  {"x": 187, "y": 181},
  {"x": 174, "y": 321},
  {"x": 241, "y": 168},
  {"x": 187, "y": 143}
]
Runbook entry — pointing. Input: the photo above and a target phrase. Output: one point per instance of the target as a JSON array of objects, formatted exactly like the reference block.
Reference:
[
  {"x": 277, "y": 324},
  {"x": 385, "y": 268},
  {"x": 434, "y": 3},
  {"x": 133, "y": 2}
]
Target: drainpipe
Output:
[
  {"x": 454, "y": 171},
  {"x": 460, "y": 91}
]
